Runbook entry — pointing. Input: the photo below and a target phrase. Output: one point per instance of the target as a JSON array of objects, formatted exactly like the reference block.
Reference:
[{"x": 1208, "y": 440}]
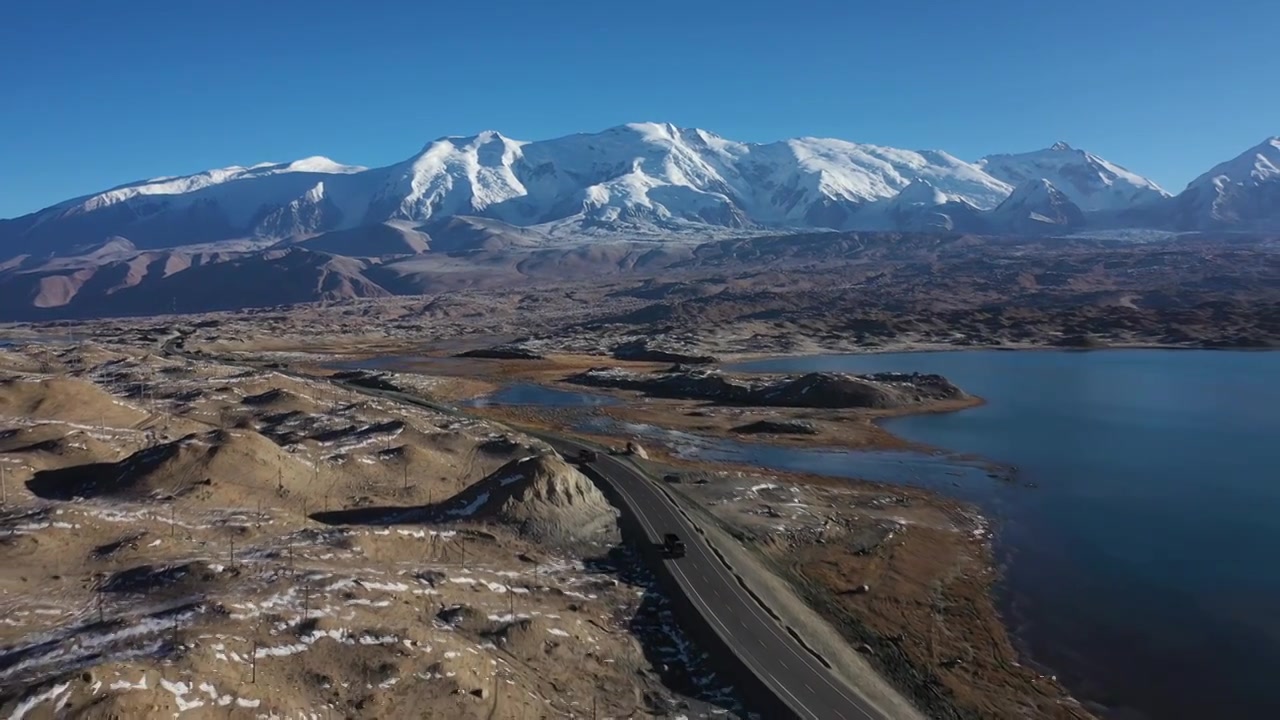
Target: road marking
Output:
[
  {"x": 713, "y": 616},
  {"x": 787, "y": 641}
]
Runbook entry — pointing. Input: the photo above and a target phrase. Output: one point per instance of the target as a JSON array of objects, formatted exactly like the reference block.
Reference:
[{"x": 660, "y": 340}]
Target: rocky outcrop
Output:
[
  {"x": 777, "y": 427},
  {"x": 373, "y": 381},
  {"x": 814, "y": 390},
  {"x": 503, "y": 352},
  {"x": 1080, "y": 341},
  {"x": 646, "y": 351}
]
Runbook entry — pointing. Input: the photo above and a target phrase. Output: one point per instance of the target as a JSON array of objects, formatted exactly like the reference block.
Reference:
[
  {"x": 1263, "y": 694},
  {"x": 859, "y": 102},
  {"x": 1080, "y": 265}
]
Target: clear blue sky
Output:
[{"x": 94, "y": 94}]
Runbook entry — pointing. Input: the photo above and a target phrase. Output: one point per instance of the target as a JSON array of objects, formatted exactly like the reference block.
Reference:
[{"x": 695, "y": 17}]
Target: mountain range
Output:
[
  {"x": 486, "y": 210},
  {"x": 650, "y": 179}
]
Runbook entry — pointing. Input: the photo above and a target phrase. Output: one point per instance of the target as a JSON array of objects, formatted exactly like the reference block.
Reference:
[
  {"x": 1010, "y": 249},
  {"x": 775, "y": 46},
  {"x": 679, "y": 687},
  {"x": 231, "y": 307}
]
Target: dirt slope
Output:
[{"x": 544, "y": 498}]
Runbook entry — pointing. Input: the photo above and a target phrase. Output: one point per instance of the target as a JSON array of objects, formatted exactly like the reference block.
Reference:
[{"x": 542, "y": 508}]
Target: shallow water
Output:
[
  {"x": 1142, "y": 566},
  {"x": 941, "y": 471},
  {"x": 530, "y": 394}
]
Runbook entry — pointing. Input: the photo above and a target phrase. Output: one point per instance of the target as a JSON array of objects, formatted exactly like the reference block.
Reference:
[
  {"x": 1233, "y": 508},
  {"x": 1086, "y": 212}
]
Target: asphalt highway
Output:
[{"x": 794, "y": 674}]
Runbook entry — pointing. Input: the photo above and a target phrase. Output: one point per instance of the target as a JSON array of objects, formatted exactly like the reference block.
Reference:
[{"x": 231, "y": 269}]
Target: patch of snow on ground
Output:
[
  {"x": 385, "y": 587},
  {"x": 126, "y": 685},
  {"x": 471, "y": 507},
  {"x": 30, "y": 703},
  {"x": 179, "y": 691},
  {"x": 280, "y": 650}
]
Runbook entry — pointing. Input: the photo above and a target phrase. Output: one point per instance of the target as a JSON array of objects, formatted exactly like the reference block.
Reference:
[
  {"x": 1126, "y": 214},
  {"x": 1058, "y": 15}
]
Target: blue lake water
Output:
[
  {"x": 1143, "y": 566},
  {"x": 530, "y": 394},
  {"x": 965, "y": 477}
]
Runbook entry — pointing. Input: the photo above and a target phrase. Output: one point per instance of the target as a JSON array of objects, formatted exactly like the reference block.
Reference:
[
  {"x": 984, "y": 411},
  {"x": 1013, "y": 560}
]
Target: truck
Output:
[
  {"x": 588, "y": 456},
  {"x": 672, "y": 546}
]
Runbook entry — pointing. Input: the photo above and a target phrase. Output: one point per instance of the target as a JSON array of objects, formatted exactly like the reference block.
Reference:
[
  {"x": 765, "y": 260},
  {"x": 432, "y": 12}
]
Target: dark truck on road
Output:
[
  {"x": 672, "y": 546},
  {"x": 588, "y": 456}
]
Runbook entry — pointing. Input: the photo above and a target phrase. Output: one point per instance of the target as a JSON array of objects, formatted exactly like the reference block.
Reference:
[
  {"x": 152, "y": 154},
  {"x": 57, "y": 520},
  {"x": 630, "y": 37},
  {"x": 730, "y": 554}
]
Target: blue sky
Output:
[{"x": 94, "y": 94}]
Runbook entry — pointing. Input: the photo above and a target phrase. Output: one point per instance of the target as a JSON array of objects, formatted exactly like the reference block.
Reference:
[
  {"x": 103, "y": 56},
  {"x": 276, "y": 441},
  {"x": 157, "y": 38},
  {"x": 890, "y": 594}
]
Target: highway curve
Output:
[{"x": 778, "y": 660}]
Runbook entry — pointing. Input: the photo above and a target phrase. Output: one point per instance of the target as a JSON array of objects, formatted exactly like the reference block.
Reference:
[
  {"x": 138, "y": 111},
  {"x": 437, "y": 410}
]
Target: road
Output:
[
  {"x": 776, "y": 658},
  {"x": 795, "y": 675}
]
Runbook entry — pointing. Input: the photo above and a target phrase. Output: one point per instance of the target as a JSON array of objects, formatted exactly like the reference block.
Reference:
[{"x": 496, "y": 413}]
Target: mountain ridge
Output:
[{"x": 646, "y": 179}]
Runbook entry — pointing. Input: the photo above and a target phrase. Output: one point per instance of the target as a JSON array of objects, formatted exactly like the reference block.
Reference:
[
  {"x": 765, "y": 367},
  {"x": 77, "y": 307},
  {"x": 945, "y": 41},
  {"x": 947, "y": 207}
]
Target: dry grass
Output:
[{"x": 165, "y": 554}]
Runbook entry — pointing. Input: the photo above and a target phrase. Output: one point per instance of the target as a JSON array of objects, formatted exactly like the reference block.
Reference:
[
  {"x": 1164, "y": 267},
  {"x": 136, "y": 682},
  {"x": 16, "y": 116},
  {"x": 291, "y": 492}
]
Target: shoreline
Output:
[
  {"x": 729, "y": 359},
  {"x": 981, "y": 592},
  {"x": 996, "y": 591},
  {"x": 461, "y": 378},
  {"x": 413, "y": 355},
  {"x": 990, "y": 595}
]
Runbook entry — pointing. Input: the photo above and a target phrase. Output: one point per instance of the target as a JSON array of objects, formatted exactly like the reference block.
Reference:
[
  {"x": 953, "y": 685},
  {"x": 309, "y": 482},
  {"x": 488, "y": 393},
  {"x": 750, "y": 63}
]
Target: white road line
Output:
[
  {"x": 751, "y": 604},
  {"x": 786, "y": 640},
  {"x": 712, "y": 616}
]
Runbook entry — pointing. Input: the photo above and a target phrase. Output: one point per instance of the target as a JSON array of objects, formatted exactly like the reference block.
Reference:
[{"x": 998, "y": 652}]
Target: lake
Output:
[
  {"x": 1141, "y": 567},
  {"x": 530, "y": 394}
]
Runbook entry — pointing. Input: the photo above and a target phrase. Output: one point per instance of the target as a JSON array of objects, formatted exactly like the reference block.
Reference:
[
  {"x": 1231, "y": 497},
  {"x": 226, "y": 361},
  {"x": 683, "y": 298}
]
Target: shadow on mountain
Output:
[
  {"x": 380, "y": 516},
  {"x": 84, "y": 481}
]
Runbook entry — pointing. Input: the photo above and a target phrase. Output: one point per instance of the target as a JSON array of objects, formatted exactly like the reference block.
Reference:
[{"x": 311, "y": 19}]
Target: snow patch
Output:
[{"x": 26, "y": 706}]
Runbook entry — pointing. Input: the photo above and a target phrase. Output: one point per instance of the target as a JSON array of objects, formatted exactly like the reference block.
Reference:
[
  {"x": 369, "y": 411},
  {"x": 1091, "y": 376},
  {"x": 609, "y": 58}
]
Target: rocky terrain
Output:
[
  {"x": 226, "y": 496},
  {"x": 821, "y": 293},
  {"x": 906, "y": 582},
  {"x": 777, "y": 427},
  {"x": 191, "y": 538},
  {"x": 881, "y": 391}
]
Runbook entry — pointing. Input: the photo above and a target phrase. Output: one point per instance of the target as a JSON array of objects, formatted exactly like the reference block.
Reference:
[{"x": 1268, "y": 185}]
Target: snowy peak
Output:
[
  {"x": 652, "y": 179},
  {"x": 194, "y": 185},
  {"x": 1037, "y": 206},
  {"x": 1258, "y": 164},
  {"x": 920, "y": 193},
  {"x": 313, "y": 164},
  {"x": 1034, "y": 191},
  {"x": 1089, "y": 181},
  {"x": 859, "y": 173},
  {"x": 450, "y": 176},
  {"x": 1241, "y": 193},
  {"x": 921, "y": 207}
]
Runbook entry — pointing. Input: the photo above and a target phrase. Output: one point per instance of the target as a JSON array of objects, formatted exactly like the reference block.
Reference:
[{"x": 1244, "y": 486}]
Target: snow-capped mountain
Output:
[
  {"x": 1242, "y": 193},
  {"x": 658, "y": 173},
  {"x": 1087, "y": 180},
  {"x": 921, "y": 207},
  {"x": 1035, "y": 207},
  {"x": 644, "y": 175},
  {"x": 649, "y": 178}
]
